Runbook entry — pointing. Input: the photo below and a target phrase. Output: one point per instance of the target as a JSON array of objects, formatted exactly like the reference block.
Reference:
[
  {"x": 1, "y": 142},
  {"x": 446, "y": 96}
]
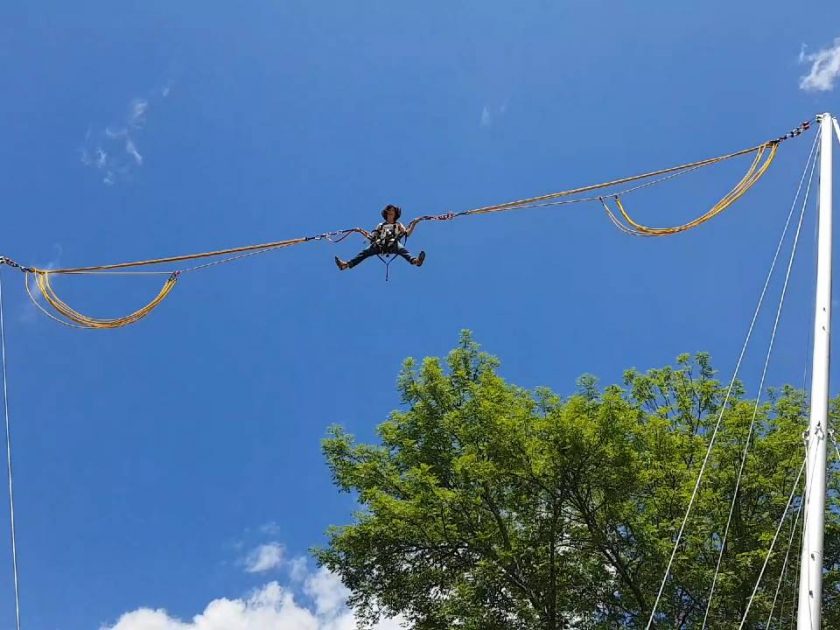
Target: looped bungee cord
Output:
[
  {"x": 754, "y": 173},
  {"x": 42, "y": 281}
]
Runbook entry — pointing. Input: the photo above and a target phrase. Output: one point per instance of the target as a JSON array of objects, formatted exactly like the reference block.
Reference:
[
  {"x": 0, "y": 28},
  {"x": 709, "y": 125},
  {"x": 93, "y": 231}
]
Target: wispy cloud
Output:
[
  {"x": 29, "y": 312},
  {"x": 298, "y": 569},
  {"x": 270, "y": 529},
  {"x": 490, "y": 114},
  {"x": 132, "y": 151},
  {"x": 54, "y": 262},
  {"x": 112, "y": 150},
  {"x": 319, "y": 605},
  {"x": 265, "y": 558},
  {"x": 137, "y": 115},
  {"x": 825, "y": 68}
]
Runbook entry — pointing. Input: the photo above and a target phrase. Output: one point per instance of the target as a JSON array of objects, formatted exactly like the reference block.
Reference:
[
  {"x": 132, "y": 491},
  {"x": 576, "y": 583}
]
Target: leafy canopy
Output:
[{"x": 488, "y": 506}]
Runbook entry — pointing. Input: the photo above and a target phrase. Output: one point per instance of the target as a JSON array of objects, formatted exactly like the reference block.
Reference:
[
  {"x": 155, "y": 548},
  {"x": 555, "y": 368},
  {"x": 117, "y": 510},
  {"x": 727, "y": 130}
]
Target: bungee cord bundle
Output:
[
  {"x": 42, "y": 281},
  {"x": 754, "y": 173},
  {"x": 763, "y": 156}
]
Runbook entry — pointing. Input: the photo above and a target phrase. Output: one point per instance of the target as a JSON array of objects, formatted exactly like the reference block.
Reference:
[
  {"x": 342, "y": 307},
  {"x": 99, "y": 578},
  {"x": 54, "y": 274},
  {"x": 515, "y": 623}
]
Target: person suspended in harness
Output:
[{"x": 385, "y": 240}]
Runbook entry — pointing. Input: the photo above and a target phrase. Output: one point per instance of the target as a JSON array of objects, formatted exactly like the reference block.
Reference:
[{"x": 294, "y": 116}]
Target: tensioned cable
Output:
[
  {"x": 784, "y": 567},
  {"x": 624, "y": 191},
  {"x": 9, "y": 458},
  {"x": 792, "y": 534},
  {"x": 764, "y": 154},
  {"x": 712, "y": 441},
  {"x": 773, "y": 543},
  {"x": 812, "y": 160},
  {"x": 798, "y": 566},
  {"x": 834, "y": 442},
  {"x": 474, "y": 211}
]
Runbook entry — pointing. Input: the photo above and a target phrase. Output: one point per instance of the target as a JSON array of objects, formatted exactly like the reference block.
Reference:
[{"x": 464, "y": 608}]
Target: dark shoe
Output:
[
  {"x": 418, "y": 262},
  {"x": 341, "y": 264}
]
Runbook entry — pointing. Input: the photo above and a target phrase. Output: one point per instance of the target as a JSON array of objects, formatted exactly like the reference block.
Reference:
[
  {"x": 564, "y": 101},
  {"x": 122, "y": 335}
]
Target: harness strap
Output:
[{"x": 388, "y": 257}]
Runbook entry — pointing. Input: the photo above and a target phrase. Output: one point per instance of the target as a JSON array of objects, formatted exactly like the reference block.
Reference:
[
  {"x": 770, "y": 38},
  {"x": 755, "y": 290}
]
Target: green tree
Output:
[{"x": 490, "y": 506}]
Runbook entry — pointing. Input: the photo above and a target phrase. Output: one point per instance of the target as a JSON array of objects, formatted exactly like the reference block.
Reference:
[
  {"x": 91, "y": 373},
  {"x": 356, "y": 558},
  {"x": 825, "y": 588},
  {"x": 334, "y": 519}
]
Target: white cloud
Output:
[
  {"x": 131, "y": 149},
  {"x": 298, "y": 569},
  {"x": 112, "y": 149},
  {"x": 265, "y": 558},
  {"x": 137, "y": 115},
  {"x": 327, "y": 592},
  {"x": 270, "y": 529},
  {"x": 271, "y": 607},
  {"x": 825, "y": 68},
  {"x": 490, "y": 114},
  {"x": 58, "y": 250}
]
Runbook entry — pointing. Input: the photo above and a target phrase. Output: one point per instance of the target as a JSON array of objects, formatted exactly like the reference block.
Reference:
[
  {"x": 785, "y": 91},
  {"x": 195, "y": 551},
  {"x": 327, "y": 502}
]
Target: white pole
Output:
[{"x": 810, "y": 577}]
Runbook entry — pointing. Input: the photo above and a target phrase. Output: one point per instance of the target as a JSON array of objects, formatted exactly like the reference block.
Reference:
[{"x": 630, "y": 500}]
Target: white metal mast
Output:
[{"x": 810, "y": 577}]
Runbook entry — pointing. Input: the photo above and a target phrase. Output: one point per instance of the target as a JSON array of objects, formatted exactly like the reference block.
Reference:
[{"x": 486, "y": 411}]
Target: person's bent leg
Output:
[
  {"x": 417, "y": 262},
  {"x": 402, "y": 252},
  {"x": 366, "y": 253}
]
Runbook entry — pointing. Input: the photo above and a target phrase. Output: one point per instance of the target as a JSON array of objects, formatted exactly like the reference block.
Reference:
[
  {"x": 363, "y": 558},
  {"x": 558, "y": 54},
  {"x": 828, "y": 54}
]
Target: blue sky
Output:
[{"x": 157, "y": 464}]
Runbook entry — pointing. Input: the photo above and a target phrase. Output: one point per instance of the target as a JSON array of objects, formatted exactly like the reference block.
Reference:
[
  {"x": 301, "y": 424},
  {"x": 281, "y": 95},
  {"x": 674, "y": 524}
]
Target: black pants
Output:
[{"x": 375, "y": 250}]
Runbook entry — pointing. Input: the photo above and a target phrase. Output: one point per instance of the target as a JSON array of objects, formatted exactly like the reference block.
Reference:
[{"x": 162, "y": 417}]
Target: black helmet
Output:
[{"x": 396, "y": 209}]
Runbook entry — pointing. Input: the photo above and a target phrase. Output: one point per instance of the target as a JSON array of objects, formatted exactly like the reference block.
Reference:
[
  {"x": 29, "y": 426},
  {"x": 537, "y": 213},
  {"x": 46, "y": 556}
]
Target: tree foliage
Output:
[{"x": 488, "y": 506}]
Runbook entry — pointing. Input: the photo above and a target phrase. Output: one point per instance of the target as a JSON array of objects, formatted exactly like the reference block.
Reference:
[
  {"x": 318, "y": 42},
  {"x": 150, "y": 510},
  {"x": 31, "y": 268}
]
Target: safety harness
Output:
[{"x": 386, "y": 238}]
